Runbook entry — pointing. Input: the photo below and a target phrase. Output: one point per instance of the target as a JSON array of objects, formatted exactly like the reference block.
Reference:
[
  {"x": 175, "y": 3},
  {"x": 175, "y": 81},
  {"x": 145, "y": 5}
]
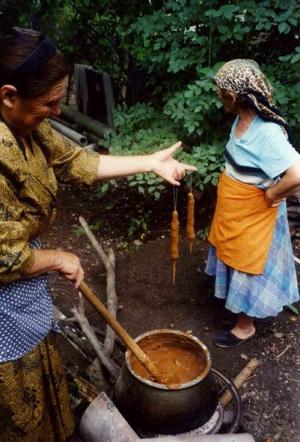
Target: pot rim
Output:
[{"x": 178, "y": 333}]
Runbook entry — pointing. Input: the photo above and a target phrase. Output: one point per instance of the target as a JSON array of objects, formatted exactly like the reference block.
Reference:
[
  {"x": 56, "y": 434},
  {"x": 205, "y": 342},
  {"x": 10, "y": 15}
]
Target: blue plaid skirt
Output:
[{"x": 259, "y": 296}]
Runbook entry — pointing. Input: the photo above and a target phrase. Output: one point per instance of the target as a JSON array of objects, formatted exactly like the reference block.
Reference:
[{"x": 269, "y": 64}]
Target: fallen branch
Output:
[
  {"x": 282, "y": 353},
  {"x": 86, "y": 389},
  {"x": 294, "y": 380},
  {"x": 112, "y": 300},
  {"x": 110, "y": 366},
  {"x": 95, "y": 369},
  {"x": 71, "y": 336},
  {"x": 240, "y": 379}
]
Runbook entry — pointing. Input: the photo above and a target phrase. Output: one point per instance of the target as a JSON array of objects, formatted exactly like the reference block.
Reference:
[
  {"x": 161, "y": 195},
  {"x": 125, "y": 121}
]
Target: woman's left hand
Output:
[
  {"x": 270, "y": 200},
  {"x": 164, "y": 165}
]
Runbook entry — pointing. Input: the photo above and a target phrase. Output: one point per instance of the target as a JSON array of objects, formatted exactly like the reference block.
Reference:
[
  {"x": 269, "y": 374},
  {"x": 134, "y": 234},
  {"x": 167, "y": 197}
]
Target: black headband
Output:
[{"x": 38, "y": 57}]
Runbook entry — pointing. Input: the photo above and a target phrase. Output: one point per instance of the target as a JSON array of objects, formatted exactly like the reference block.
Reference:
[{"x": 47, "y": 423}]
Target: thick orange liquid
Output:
[{"x": 176, "y": 362}]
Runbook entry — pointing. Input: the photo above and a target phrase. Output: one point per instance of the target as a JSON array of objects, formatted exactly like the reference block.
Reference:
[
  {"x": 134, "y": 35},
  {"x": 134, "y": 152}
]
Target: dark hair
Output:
[{"x": 15, "y": 47}]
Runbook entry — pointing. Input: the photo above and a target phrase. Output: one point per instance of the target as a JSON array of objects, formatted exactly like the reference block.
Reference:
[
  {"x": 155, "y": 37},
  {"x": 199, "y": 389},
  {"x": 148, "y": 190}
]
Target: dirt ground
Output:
[{"x": 147, "y": 301}]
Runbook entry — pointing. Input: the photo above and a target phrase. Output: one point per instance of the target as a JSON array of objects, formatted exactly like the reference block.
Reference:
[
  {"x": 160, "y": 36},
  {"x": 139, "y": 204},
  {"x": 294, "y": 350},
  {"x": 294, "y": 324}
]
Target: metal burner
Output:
[{"x": 211, "y": 427}]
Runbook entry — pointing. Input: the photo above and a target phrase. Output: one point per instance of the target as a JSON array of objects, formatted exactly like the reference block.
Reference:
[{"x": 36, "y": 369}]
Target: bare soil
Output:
[{"x": 148, "y": 300}]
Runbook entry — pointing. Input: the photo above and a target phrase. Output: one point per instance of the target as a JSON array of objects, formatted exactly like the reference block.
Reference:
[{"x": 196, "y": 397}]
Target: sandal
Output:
[{"x": 229, "y": 340}]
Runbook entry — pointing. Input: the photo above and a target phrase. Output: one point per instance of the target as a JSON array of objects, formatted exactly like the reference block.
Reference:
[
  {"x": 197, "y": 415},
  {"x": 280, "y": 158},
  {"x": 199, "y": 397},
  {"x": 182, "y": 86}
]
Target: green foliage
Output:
[
  {"x": 195, "y": 108},
  {"x": 131, "y": 138},
  {"x": 203, "y": 233},
  {"x": 147, "y": 184},
  {"x": 79, "y": 231},
  {"x": 164, "y": 54},
  {"x": 209, "y": 160},
  {"x": 141, "y": 130},
  {"x": 138, "y": 226},
  {"x": 187, "y": 39}
]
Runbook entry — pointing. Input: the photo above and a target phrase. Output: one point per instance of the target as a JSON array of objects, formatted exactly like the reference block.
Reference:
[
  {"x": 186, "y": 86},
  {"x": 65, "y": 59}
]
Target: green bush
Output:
[
  {"x": 141, "y": 130},
  {"x": 163, "y": 55}
]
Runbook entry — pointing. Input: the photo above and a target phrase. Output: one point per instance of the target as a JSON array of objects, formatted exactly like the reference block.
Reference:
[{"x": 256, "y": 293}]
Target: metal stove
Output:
[
  {"x": 225, "y": 420},
  {"x": 103, "y": 421}
]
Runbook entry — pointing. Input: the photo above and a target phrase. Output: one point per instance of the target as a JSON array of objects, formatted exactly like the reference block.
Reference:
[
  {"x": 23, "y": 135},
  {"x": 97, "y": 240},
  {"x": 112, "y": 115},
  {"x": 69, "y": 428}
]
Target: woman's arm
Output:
[
  {"x": 285, "y": 187},
  {"x": 162, "y": 163},
  {"x": 65, "y": 263}
]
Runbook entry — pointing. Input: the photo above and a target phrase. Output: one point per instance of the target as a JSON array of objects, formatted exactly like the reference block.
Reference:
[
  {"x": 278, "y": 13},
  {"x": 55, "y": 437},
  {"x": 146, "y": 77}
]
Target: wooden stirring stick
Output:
[{"x": 121, "y": 332}]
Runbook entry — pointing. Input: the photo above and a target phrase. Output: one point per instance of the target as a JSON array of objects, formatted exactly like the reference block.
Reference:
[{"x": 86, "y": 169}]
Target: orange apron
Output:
[{"x": 243, "y": 225}]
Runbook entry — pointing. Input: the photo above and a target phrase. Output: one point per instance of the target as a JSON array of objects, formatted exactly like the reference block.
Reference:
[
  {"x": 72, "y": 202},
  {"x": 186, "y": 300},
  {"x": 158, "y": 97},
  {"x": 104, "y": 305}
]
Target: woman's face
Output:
[
  {"x": 229, "y": 100},
  {"x": 25, "y": 114}
]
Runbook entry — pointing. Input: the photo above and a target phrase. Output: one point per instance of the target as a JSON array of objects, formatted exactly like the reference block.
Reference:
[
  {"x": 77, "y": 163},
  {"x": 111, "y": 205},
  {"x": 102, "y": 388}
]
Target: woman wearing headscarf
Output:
[
  {"x": 251, "y": 254},
  {"x": 34, "y": 402}
]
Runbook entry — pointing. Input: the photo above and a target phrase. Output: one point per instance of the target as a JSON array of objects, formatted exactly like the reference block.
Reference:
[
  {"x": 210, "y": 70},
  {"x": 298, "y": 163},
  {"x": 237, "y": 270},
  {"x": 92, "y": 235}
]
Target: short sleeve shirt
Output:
[{"x": 264, "y": 146}]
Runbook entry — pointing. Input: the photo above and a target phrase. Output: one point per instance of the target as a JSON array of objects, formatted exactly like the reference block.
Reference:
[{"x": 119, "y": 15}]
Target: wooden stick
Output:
[
  {"x": 112, "y": 299},
  {"x": 71, "y": 336},
  {"x": 121, "y": 332},
  {"x": 240, "y": 379},
  {"x": 87, "y": 390},
  {"x": 90, "y": 334},
  {"x": 174, "y": 272}
]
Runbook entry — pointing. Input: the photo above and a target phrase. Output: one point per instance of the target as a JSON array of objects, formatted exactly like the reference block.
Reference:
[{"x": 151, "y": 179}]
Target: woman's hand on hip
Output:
[{"x": 271, "y": 200}]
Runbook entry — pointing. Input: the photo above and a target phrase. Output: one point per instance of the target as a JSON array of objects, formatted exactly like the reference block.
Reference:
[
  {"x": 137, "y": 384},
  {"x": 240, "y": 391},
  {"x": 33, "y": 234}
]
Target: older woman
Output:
[
  {"x": 251, "y": 254},
  {"x": 34, "y": 403}
]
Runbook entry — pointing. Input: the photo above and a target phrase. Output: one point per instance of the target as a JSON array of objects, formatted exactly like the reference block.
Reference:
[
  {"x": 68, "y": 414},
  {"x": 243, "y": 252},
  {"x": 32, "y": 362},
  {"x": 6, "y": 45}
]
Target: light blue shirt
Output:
[{"x": 263, "y": 146}]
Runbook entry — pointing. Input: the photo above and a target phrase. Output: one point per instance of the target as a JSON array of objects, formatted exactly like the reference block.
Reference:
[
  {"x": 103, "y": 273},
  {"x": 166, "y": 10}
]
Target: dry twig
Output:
[
  {"x": 70, "y": 335},
  {"x": 239, "y": 380},
  {"x": 91, "y": 336},
  {"x": 282, "y": 353},
  {"x": 112, "y": 300}
]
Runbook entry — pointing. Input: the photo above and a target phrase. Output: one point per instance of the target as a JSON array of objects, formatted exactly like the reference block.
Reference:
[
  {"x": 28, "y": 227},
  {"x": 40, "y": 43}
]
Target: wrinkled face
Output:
[
  {"x": 229, "y": 100},
  {"x": 27, "y": 114}
]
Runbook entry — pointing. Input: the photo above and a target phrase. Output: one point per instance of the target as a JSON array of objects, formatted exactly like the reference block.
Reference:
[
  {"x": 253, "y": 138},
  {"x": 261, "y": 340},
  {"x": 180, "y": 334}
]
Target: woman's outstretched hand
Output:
[{"x": 163, "y": 164}]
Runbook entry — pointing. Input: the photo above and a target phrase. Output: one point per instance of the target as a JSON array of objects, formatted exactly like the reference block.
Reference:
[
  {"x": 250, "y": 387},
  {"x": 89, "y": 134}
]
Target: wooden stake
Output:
[{"x": 240, "y": 379}]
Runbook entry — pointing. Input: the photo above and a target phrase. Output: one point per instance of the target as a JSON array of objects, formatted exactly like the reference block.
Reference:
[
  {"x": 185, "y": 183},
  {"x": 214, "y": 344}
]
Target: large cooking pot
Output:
[{"x": 150, "y": 407}]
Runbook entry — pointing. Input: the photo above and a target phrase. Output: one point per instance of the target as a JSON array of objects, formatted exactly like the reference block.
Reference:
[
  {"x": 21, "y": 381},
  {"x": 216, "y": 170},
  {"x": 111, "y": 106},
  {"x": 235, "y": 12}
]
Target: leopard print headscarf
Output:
[{"x": 245, "y": 78}]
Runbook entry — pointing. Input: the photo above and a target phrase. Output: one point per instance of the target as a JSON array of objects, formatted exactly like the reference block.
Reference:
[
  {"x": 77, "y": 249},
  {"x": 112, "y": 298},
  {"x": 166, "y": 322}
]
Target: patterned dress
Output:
[{"x": 34, "y": 402}]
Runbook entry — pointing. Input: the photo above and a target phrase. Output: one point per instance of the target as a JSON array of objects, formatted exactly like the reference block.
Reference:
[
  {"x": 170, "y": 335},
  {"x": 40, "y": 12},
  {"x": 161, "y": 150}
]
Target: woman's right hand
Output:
[
  {"x": 47, "y": 260},
  {"x": 69, "y": 266}
]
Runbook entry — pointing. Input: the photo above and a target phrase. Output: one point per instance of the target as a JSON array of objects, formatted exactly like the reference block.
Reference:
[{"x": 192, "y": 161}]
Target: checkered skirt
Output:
[{"x": 259, "y": 296}]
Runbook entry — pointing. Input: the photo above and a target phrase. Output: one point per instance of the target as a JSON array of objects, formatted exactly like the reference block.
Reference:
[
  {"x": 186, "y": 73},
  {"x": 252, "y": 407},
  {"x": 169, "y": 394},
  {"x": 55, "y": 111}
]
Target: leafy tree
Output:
[{"x": 164, "y": 53}]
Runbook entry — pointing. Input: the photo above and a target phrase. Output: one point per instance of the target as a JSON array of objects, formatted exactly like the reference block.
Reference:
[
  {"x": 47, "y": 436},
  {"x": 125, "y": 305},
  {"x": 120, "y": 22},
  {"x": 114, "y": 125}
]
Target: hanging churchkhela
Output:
[
  {"x": 190, "y": 219},
  {"x": 174, "y": 235},
  {"x": 190, "y": 228}
]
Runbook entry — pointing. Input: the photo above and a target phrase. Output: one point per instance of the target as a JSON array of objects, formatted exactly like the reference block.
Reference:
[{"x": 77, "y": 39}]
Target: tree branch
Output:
[{"x": 112, "y": 299}]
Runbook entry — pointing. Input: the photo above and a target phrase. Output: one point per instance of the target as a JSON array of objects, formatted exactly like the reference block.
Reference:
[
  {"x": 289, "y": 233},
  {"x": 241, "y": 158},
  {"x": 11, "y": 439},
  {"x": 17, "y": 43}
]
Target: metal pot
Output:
[{"x": 150, "y": 407}]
